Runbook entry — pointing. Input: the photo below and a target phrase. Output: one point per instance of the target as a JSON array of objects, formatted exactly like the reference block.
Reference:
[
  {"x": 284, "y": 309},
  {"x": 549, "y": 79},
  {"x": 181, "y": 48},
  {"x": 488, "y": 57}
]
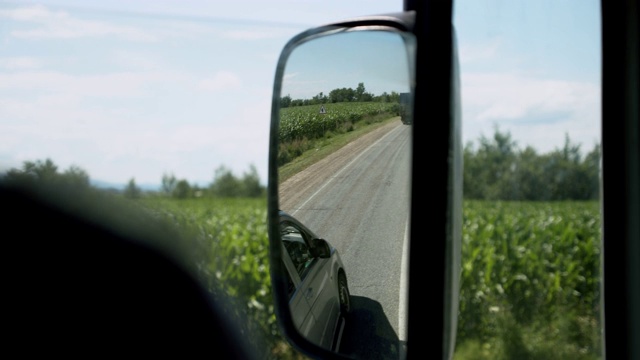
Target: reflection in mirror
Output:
[{"x": 344, "y": 169}]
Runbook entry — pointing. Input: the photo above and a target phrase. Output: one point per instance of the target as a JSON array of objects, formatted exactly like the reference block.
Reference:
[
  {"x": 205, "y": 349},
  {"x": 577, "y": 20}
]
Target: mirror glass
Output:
[{"x": 344, "y": 170}]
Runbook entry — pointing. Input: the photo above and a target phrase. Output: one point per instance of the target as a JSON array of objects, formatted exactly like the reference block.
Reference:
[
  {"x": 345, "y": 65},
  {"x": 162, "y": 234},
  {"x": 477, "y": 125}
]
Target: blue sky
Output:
[
  {"x": 136, "y": 89},
  {"x": 379, "y": 60},
  {"x": 532, "y": 68}
]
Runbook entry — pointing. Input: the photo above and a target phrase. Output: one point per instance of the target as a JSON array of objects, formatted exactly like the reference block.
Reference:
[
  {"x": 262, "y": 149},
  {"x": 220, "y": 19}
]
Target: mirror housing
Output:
[
  {"x": 400, "y": 27},
  {"x": 438, "y": 98}
]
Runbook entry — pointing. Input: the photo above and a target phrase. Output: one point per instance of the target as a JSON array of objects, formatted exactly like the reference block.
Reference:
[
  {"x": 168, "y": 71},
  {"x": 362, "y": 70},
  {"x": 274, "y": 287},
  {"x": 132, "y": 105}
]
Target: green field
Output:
[
  {"x": 306, "y": 135},
  {"x": 530, "y": 273},
  {"x": 307, "y": 122},
  {"x": 530, "y": 286}
]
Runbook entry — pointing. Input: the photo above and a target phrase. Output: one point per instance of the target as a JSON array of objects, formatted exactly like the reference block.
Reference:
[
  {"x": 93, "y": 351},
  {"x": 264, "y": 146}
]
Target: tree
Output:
[
  {"x": 490, "y": 171},
  {"x": 342, "y": 95},
  {"x": 251, "y": 183},
  {"x": 182, "y": 190},
  {"x": 225, "y": 184},
  {"x": 285, "y": 101},
  {"x": 43, "y": 171},
  {"x": 132, "y": 191},
  {"x": 592, "y": 169},
  {"x": 394, "y": 97},
  {"x": 46, "y": 172},
  {"x": 76, "y": 177},
  {"x": 497, "y": 170},
  {"x": 168, "y": 183},
  {"x": 360, "y": 91},
  {"x": 529, "y": 177},
  {"x": 384, "y": 97},
  {"x": 38, "y": 171},
  {"x": 319, "y": 99}
]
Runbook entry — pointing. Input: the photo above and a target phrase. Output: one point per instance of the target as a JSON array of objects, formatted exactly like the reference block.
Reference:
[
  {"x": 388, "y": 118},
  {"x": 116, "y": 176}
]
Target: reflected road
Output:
[{"x": 359, "y": 200}]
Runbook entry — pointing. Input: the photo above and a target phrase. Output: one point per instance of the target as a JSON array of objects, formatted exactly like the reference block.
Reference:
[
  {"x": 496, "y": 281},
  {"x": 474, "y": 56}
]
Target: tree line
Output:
[
  {"x": 359, "y": 94},
  {"x": 225, "y": 183},
  {"x": 495, "y": 169}
]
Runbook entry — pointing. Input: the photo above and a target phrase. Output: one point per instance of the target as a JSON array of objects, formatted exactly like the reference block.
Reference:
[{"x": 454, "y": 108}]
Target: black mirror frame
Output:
[{"x": 401, "y": 23}]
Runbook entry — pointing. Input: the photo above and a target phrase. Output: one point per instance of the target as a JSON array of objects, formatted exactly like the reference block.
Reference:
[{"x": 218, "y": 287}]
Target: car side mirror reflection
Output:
[
  {"x": 340, "y": 169},
  {"x": 320, "y": 248}
]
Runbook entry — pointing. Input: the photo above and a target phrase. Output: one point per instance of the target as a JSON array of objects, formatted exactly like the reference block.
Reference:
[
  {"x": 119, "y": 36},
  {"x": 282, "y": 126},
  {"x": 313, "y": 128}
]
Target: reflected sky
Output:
[{"x": 343, "y": 60}]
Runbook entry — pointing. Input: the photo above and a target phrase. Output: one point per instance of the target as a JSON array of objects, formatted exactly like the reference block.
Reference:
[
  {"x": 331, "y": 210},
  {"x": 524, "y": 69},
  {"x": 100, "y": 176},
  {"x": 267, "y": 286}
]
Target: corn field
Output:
[
  {"x": 309, "y": 122},
  {"x": 530, "y": 277}
]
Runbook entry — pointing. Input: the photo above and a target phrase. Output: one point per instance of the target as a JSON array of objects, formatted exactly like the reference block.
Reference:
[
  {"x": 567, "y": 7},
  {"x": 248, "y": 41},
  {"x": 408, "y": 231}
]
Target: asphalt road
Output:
[{"x": 358, "y": 199}]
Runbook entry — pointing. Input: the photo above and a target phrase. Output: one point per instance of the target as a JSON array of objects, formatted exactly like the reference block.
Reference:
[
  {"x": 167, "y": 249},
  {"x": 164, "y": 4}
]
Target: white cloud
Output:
[
  {"x": 536, "y": 111},
  {"x": 221, "y": 81},
  {"x": 513, "y": 96},
  {"x": 136, "y": 60},
  {"x": 111, "y": 85},
  {"x": 81, "y": 120},
  {"x": 289, "y": 76},
  {"x": 36, "y": 13},
  {"x": 59, "y": 24},
  {"x": 20, "y": 63}
]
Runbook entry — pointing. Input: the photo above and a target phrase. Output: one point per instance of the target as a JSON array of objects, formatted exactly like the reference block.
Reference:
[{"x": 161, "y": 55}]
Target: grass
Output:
[{"x": 330, "y": 143}]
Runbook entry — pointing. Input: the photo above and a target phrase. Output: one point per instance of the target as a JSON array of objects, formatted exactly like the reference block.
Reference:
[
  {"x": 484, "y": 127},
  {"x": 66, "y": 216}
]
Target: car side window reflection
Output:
[
  {"x": 291, "y": 285},
  {"x": 294, "y": 240}
]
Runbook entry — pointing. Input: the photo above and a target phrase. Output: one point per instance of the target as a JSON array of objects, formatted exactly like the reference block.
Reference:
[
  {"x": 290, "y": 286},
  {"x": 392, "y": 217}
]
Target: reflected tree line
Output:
[{"x": 359, "y": 94}]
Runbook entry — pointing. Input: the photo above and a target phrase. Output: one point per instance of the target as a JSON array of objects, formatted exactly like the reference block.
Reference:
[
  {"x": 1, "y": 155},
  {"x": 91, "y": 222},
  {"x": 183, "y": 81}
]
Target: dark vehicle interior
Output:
[
  {"x": 114, "y": 295},
  {"x": 118, "y": 295}
]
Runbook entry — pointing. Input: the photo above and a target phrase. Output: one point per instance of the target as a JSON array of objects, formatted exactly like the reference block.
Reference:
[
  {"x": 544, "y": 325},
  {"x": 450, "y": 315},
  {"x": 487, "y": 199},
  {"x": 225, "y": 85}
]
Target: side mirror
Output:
[
  {"x": 320, "y": 248},
  {"x": 340, "y": 162}
]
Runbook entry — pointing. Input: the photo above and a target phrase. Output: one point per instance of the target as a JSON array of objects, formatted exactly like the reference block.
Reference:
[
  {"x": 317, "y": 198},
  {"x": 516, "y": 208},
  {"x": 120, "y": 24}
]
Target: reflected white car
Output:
[{"x": 319, "y": 296}]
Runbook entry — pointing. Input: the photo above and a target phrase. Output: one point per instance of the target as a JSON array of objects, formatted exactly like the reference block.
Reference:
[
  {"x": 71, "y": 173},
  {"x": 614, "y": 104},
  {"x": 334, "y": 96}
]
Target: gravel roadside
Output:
[{"x": 298, "y": 186}]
